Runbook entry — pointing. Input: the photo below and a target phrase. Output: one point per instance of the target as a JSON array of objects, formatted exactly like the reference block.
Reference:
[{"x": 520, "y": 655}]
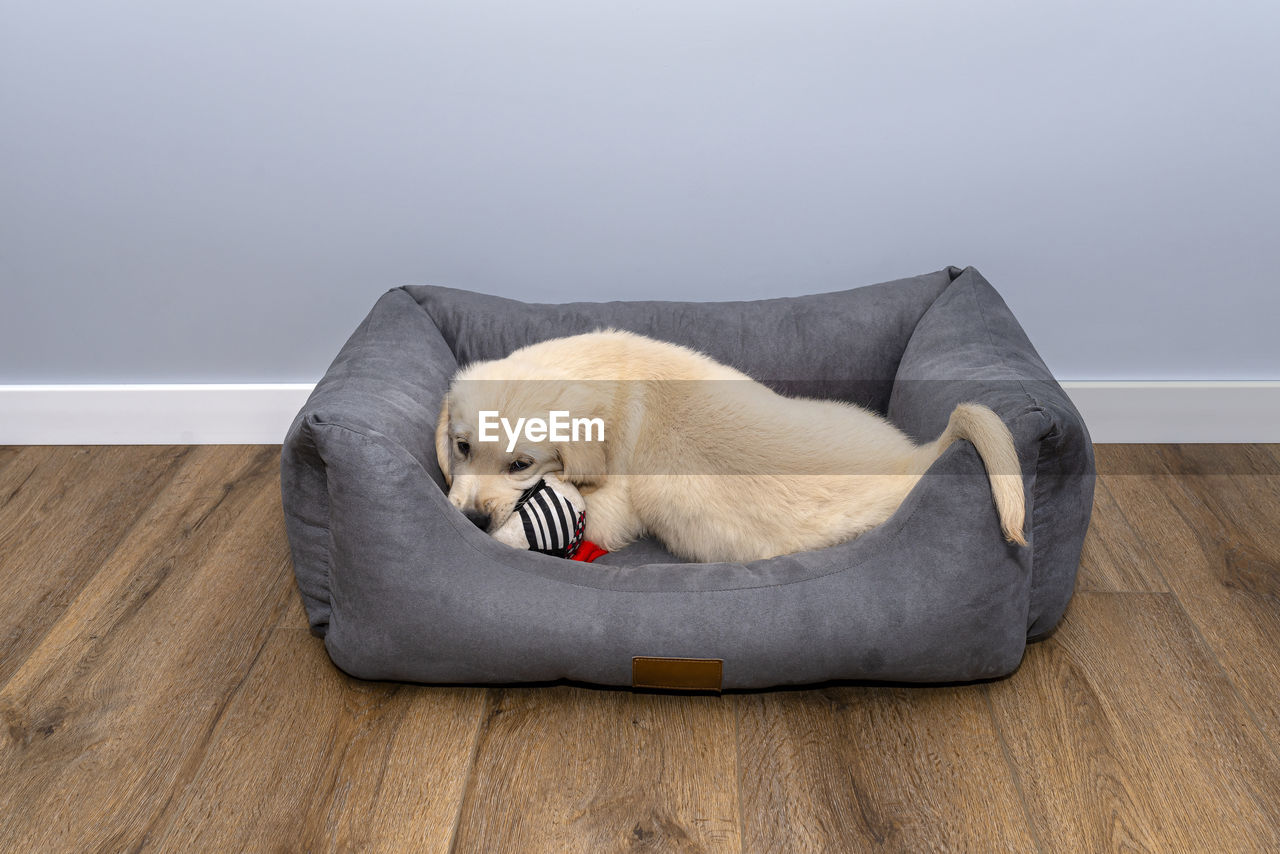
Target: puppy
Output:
[{"x": 717, "y": 466}]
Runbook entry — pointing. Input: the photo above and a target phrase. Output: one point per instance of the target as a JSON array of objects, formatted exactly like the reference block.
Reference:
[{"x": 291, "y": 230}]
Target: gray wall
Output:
[{"x": 219, "y": 191}]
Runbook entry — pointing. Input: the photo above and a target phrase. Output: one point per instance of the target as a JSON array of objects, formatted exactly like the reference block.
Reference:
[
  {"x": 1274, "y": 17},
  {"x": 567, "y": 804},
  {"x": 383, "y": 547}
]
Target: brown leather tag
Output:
[{"x": 676, "y": 674}]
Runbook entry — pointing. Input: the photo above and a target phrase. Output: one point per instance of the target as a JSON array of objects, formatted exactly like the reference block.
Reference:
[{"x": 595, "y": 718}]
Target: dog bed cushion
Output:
[{"x": 401, "y": 586}]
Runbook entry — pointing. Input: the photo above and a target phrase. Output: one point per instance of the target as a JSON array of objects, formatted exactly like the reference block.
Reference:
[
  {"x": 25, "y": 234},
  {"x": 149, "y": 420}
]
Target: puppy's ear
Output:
[
  {"x": 585, "y": 461},
  {"x": 584, "y": 464},
  {"x": 444, "y": 448}
]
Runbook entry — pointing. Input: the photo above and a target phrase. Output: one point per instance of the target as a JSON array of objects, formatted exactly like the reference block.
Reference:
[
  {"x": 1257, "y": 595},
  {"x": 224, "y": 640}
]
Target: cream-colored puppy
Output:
[{"x": 714, "y": 464}]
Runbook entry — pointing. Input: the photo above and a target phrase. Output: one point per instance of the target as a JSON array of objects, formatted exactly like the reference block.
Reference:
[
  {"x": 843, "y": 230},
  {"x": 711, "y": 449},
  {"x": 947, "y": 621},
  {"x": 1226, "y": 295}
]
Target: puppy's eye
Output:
[
  {"x": 464, "y": 447},
  {"x": 519, "y": 465}
]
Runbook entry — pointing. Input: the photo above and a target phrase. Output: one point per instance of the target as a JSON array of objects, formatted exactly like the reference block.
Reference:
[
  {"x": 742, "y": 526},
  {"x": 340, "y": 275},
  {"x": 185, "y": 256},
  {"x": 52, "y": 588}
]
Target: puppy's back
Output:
[{"x": 615, "y": 354}]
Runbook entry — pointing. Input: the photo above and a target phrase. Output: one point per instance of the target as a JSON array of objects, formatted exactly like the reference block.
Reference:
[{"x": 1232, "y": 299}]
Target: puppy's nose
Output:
[{"x": 478, "y": 517}]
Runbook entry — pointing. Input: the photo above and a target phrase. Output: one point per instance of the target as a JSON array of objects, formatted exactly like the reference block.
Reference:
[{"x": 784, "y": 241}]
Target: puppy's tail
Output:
[{"x": 994, "y": 442}]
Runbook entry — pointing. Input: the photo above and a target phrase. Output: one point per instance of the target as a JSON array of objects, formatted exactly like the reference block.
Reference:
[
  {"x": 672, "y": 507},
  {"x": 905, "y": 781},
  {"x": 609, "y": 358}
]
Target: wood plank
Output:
[
  {"x": 71, "y": 508},
  {"x": 113, "y": 709},
  {"x": 1217, "y": 538},
  {"x": 1194, "y": 459},
  {"x": 294, "y": 615},
  {"x": 1113, "y": 559},
  {"x": 18, "y": 492},
  {"x": 1126, "y": 735},
  {"x": 567, "y": 769},
  {"x": 349, "y": 765},
  {"x": 1215, "y": 459},
  {"x": 860, "y": 768},
  {"x": 1109, "y": 458},
  {"x": 8, "y": 453}
]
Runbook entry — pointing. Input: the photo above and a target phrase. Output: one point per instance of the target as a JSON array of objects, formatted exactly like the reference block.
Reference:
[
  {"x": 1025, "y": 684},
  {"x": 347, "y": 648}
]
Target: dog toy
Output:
[{"x": 550, "y": 517}]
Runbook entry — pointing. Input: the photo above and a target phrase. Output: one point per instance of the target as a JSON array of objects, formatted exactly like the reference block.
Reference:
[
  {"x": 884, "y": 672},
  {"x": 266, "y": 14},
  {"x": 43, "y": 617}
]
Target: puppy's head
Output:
[{"x": 495, "y": 437}]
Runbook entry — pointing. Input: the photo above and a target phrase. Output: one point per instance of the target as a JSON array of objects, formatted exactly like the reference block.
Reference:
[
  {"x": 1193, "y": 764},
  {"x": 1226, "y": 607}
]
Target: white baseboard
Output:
[
  {"x": 260, "y": 413},
  {"x": 187, "y": 414},
  {"x": 1160, "y": 411}
]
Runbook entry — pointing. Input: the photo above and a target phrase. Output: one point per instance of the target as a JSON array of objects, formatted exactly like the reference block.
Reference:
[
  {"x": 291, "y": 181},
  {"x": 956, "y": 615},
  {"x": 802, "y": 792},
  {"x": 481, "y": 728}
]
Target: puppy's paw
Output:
[
  {"x": 512, "y": 534},
  {"x": 610, "y": 540}
]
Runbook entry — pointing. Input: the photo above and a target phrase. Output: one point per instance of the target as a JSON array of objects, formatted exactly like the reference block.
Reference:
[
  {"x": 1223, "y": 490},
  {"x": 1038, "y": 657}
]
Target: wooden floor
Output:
[{"x": 159, "y": 690}]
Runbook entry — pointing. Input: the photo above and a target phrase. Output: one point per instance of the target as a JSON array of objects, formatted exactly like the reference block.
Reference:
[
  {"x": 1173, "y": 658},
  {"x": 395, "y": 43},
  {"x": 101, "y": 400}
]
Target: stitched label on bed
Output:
[{"x": 678, "y": 674}]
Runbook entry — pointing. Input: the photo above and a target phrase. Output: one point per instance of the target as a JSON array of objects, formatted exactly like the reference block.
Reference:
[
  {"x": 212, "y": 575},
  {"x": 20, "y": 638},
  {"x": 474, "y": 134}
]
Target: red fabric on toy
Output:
[{"x": 588, "y": 551}]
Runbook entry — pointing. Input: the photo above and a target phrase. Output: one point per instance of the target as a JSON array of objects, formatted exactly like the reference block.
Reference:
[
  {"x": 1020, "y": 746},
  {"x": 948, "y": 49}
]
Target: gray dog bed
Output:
[{"x": 401, "y": 586}]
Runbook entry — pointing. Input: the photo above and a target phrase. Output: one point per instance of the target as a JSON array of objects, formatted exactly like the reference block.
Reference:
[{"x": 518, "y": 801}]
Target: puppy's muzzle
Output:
[{"x": 479, "y": 518}]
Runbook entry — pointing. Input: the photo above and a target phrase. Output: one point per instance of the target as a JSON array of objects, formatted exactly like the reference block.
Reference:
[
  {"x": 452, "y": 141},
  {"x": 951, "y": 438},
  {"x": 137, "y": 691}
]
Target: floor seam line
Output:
[
  {"x": 481, "y": 714},
  {"x": 1013, "y": 771}
]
